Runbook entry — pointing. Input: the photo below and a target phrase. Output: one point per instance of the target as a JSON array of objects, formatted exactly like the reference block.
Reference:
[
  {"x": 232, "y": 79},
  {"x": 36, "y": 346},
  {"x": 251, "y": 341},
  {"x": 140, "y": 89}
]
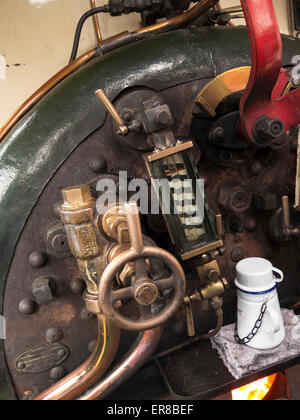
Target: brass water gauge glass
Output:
[{"x": 181, "y": 195}]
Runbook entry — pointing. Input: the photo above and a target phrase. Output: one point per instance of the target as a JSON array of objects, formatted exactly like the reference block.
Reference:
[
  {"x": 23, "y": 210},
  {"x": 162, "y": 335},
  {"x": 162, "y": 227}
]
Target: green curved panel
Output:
[{"x": 47, "y": 135}]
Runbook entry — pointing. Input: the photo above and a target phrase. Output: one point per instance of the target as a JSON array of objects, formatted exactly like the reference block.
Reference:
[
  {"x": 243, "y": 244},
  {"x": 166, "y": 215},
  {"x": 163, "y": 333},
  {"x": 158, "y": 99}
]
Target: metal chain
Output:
[{"x": 255, "y": 329}]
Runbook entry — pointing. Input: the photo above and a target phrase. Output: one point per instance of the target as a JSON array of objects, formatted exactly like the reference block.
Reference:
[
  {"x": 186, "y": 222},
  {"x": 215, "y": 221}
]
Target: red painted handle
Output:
[{"x": 262, "y": 96}]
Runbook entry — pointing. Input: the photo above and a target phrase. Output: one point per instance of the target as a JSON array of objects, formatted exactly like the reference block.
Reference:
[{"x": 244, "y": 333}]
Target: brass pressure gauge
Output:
[{"x": 181, "y": 196}]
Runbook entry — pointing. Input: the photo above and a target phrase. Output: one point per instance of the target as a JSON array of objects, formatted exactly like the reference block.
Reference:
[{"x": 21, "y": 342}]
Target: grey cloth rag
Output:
[{"x": 241, "y": 360}]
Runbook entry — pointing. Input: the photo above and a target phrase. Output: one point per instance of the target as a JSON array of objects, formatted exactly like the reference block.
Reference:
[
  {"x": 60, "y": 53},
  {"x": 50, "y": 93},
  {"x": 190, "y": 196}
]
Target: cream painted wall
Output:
[{"x": 36, "y": 38}]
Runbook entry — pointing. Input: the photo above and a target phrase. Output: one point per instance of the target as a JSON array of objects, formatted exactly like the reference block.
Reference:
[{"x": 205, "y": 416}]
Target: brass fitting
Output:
[
  {"x": 114, "y": 224},
  {"x": 212, "y": 290},
  {"x": 87, "y": 246},
  {"x": 77, "y": 213},
  {"x": 77, "y": 197},
  {"x": 124, "y": 278}
]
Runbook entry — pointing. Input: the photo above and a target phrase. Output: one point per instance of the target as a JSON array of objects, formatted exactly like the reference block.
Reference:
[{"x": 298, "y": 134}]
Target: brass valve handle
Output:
[
  {"x": 122, "y": 127},
  {"x": 143, "y": 289}
]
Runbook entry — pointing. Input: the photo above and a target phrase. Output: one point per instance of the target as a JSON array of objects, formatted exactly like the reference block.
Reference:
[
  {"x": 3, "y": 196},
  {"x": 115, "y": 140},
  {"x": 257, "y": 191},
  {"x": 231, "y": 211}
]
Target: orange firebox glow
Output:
[{"x": 257, "y": 390}]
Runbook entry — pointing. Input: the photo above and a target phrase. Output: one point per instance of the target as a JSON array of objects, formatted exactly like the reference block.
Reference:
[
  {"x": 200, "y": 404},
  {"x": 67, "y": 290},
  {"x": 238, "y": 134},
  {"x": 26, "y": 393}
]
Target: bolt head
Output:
[
  {"x": 212, "y": 275},
  {"x": 56, "y": 240},
  {"x": 127, "y": 116},
  {"x": 146, "y": 294},
  {"x": 218, "y": 134},
  {"x": 77, "y": 195},
  {"x": 267, "y": 129},
  {"x": 163, "y": 118},
  {"x": 123, "y": 236},
  {"x": 43, "y": 289}
]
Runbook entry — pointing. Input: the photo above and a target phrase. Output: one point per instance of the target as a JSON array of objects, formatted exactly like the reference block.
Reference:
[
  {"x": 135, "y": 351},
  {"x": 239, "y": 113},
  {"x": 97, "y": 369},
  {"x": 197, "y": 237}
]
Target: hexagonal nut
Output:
[
  {"x": 268, "y": 128},
  {"x": 77, "y": 195},
  {"x": 43, "y": 289},
  {"x": 56, "y": 240},
  {"x": 266, "y": 201},
  {"x": 123, "y": 236},
  {"x": 126, "y": 275}
]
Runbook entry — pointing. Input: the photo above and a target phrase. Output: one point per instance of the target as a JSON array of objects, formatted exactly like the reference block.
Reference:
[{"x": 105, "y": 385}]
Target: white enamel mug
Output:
[{"x": 257, "y": 284}]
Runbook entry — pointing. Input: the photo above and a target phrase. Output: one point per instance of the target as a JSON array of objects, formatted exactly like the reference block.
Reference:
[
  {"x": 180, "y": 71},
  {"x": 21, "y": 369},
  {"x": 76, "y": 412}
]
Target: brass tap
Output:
[{"x": 211, "y": 291}]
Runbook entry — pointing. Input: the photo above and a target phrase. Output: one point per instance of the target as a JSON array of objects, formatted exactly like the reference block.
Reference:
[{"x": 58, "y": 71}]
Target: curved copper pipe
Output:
[
  {"x": 136, "y": 358},
  {"x": 167, "y": 25},
  {"x": 90, "y": 371},
  {"x": 180, "y": 20}
]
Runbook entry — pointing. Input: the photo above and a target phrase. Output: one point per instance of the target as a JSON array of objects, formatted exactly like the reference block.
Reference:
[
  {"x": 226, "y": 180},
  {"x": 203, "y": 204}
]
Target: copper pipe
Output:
[
  {"x": 136, "y": 358},
  {"x": 167, "y": 25},
  {"x": 180, "y": 20},
  {"x": 96, "y": 22},
  {"x": 92, "y": 369}
]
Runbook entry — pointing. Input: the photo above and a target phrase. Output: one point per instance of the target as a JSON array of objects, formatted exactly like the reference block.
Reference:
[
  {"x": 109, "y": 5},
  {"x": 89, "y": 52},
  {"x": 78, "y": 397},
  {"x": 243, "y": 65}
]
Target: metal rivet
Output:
[
  {"x": 61, "y": 353},
  {"x": 57, "y": 373},
  {"x": 237, "y": 254},
  {"x": 97, "y": 165},
  {"x": 21, "y": 366},
  {"x": 77, "y": 286},
  {"x": 27, "y": 307},
  {"x": 53, "y": 335},
  {"x": 92, "y": 346},
  {"x": 37, "y": 259},
  {"x": 85, "y": 315},
  {"x": 56, "y": 209},
  {"x": 251, "y": 225},
  {"x": 255, "y": 168}
]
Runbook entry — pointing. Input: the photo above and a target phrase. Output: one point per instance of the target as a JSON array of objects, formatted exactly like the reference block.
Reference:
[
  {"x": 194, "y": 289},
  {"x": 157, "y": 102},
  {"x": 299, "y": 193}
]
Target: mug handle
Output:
[
  {"x": 275, "y": 321},
  {"x": 281, "y": 275}
]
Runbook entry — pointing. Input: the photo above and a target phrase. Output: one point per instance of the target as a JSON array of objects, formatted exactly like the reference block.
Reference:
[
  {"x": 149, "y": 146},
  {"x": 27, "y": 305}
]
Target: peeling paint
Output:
[{"x": 2, "y": 67}]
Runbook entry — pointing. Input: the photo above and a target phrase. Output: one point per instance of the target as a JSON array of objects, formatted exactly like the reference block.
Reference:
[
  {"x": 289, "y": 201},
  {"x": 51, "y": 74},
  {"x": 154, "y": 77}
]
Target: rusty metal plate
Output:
[{"x": 42, "y": 358}]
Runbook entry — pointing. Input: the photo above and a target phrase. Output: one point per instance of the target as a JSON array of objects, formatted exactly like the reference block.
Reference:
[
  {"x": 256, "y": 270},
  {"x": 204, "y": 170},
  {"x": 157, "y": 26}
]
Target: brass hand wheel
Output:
[{"x": 143, "y": 289}]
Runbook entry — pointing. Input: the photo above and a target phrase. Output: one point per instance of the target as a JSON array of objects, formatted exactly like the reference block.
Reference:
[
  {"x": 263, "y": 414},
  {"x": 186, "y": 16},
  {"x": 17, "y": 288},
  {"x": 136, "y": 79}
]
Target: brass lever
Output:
[
  {"x": 122, "y": 127},
  {"x": 189, "y": 317},
  {"x": 286, "y": 213}
]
